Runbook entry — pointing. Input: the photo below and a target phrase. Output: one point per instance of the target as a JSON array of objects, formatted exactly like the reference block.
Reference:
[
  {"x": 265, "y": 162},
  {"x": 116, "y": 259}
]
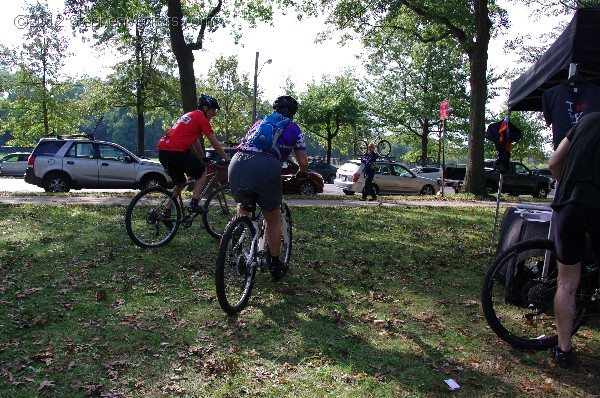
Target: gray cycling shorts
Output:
[{"x": 261, "y": 174}]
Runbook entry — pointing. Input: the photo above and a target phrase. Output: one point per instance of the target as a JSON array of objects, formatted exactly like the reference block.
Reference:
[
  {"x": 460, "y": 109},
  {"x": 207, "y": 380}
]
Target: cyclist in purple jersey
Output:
[{"x": 259, "y": 171}]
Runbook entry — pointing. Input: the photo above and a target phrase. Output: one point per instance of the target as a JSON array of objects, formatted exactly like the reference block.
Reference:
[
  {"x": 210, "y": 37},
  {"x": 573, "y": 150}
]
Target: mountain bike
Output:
[
  {"x": 518, "y": 294},
  {"x": 148, "y": 223},
  {"x": 243, "y": 252},
  {"x": 383, "y": 146}
]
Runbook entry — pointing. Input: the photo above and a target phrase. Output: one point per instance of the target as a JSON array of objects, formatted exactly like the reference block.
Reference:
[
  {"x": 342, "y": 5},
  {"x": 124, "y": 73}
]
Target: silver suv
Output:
[
  {"x": 391, "y": 178},
  {"x": 59, "y": 164}
]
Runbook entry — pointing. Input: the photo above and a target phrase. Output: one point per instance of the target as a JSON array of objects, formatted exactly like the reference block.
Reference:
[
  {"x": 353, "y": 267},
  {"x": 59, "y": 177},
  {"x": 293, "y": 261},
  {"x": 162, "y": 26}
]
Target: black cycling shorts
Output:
[
  {"x": 570, "y": 224},
  {"x": 178, "y": 164}
]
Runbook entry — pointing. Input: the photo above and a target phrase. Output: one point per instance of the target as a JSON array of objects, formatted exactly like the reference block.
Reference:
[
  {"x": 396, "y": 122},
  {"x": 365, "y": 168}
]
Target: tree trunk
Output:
[
  {"x": 140, "y": 121},
  {"x": 424, "y": 142},
  {"x": 474, "y": 179},
  {"x": 184, "y": 56}
]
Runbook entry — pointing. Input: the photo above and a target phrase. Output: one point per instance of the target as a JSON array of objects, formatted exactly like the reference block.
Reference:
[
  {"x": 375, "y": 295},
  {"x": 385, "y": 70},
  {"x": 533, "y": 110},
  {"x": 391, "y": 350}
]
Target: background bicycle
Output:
[
  {"x": 148, "y": 225},
  {"x": 243, "y": 252},
  {"x": 360, "y": 146},
  {"x": 517, "y": 296}
]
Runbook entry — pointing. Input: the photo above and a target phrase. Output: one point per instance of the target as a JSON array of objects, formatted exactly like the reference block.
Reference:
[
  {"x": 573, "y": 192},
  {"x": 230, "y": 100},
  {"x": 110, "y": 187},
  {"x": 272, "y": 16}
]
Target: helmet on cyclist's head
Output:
[
  {"x": 207, "y": 100},
  {"x": 286, "y": 105}
]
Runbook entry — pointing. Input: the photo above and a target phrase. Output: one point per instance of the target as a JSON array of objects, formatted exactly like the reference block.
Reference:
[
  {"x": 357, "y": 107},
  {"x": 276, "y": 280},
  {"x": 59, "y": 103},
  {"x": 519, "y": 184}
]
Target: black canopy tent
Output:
[{"x": 579, "y": 44}]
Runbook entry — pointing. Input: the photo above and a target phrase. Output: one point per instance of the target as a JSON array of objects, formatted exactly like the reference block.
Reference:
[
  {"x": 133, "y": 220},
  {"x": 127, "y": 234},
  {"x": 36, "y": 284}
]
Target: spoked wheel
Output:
[
  {"x": 285, "y": 254},
  {"x": 523, "y": 314},
  {"x": 384, "y": 147},
  {"x": 219, "y": 211},
  {"x": 236, "y": 266},
  {"x": 360, "y": 147},
  {"x": 146, "y": 221}
]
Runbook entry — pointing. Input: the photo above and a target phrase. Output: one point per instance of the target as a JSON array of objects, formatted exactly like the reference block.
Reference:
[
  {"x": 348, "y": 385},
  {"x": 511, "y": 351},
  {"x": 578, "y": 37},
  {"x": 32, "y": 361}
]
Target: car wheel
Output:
[
  {"x": 57, "y": 182},
  {"x": 330, "y": 179},
  {"x": 348, "y": 192},
  {"x": 541, "y": 192},
  {"x": 307, "y": 188},
  {"x": 428, "y": 190},
  {"x": 152, "y": 181}
]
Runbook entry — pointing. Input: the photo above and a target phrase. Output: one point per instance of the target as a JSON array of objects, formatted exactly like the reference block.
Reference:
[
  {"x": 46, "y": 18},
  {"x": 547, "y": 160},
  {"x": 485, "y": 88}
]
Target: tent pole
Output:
[{"x": 500, "y": 183}]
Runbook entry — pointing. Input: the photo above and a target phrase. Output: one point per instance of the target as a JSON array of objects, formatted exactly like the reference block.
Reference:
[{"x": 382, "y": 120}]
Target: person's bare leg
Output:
[
  {"x": 564, "y": 302},
  {"x": 273, "y": 231},
  {"x": 199, "y": 186}
]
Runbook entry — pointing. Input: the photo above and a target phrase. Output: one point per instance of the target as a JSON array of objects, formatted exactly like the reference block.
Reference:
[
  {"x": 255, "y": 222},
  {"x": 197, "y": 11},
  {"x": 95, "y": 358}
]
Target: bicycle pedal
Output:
[{"x": 187, "y": 221}]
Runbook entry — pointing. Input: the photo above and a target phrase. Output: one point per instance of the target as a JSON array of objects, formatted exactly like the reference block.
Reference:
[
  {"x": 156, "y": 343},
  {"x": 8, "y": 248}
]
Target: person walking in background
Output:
[
  {"x": 576, "y": 214},
  {"x": 369, "y": 159}
]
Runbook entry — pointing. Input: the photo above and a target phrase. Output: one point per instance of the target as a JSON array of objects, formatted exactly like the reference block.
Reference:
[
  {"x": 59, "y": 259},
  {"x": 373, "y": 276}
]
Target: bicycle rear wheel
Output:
[
  {"x": 218, "y": 211},
  {"x": 384, "y": 147},
  {"x": 145, "y": 219},
  {"x": 523, "y": 314},
  {"x": 285, "y": 254},
  {"x": 236, "y": 265}
]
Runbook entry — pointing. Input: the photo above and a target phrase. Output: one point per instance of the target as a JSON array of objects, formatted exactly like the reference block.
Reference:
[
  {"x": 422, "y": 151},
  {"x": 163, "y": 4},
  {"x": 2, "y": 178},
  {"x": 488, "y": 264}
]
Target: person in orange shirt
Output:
[{"x": 174, "y": 148}]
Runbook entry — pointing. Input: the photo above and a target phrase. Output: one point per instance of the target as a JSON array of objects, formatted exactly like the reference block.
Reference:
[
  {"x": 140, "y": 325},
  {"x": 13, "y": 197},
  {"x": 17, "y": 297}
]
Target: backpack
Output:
[{"x": 268, "y": 131}]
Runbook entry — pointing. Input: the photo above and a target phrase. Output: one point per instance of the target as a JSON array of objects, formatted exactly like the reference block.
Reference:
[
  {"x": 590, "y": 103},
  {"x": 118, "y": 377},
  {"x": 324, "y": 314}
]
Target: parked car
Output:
[
  {"x": 391, "y": 178},
  {"x": 547, "y": 173},
  {"x": 518, "y": 180},
  {"x": 64, "y": 163},
  {"x": 428, "y": 171},
  {"x": 326, "y": 170},
  {"x": 289, "y": 183},
  {"x": 14, "y": 164}
]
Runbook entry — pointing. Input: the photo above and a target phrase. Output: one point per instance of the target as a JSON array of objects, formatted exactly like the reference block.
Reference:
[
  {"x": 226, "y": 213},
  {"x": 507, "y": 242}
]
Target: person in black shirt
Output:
[
  {"x": 369, "y": 159},
  {"x": 576, "y": 213}
]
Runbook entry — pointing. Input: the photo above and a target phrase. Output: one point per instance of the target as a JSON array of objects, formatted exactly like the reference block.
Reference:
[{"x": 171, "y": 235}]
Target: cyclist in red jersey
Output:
[{"x": 175, "y": 148}]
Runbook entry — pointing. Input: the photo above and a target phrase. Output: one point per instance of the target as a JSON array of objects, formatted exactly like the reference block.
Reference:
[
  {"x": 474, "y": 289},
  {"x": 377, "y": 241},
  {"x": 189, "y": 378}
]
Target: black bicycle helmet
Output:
[
  {"x": 207, "y": 100},
  {"x": 286, "y": 105}
]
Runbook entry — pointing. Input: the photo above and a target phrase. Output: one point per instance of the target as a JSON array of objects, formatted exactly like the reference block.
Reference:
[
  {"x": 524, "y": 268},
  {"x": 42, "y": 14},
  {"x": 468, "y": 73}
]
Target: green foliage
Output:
[
  {"x": 34, "y": 91},
  {"x": 331, "y": 112},
  {"x": 234, "y": 93}
]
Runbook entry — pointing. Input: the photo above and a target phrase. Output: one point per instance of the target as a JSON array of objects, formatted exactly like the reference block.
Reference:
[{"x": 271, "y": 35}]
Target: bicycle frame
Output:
[{"x": 212, "y": 182}]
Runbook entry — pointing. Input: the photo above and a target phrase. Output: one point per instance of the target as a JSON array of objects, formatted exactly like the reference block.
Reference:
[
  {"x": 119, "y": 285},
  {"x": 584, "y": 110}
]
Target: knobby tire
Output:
[
  {"x": 526, "y": 320},
  {"x": 144, "y": 219},
  {"x": 236, "y": 265},
  {"x": 219, "y": 211}
]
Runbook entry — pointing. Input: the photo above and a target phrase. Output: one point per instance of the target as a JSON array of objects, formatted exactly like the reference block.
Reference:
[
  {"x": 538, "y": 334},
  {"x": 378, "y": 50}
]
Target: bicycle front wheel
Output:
[
  {"x": 285, "y": 220},
  {"x": 384, "y": 148},
  {"x": 236, "y": 265},
  {"x": 146, "y": 221},
  {"x": 218, "y": 211},
  {"x": 360, "y": 147},
  {"x": 518, "y": 302}
]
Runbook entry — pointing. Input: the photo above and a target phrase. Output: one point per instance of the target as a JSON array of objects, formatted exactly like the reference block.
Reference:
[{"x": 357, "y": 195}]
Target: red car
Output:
[{"x": 289, "y": 183}]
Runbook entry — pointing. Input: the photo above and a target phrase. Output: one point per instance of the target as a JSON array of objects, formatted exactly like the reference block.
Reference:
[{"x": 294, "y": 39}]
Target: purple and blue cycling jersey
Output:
[{"x": 290, "y": 139}]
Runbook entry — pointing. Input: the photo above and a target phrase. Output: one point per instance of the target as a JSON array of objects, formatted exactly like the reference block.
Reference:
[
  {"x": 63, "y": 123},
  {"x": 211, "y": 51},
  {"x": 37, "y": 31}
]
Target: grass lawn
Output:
[{"x": 379, "y": 302}]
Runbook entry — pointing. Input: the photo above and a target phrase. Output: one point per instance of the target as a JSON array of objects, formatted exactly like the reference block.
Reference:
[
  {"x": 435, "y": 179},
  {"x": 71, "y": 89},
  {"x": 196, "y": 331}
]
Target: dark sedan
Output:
[{"x": 326, "y": 170}]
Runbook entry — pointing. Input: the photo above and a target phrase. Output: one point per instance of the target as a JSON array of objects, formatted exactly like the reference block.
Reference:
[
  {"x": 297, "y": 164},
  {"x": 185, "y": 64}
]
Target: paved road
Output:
[{"x": 17, "y": 191}]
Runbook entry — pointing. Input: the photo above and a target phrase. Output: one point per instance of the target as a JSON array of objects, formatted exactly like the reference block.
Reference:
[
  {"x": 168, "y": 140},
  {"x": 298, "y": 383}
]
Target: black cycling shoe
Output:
[
  {"x": 563, "y": 359},
  {"x": 277, "y": 268},
  {"x": 195, "y": 207}
]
